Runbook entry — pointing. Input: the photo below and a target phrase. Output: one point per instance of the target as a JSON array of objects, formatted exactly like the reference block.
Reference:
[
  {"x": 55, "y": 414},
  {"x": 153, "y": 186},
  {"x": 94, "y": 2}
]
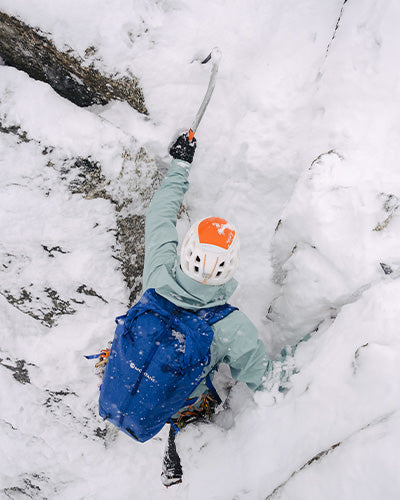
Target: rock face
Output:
[
  {"x": 26, "y": 49},
  {"x": 128, "y": 197},
  {"x": 140, "y": 178},
  {"x": 72, "y": 213}
]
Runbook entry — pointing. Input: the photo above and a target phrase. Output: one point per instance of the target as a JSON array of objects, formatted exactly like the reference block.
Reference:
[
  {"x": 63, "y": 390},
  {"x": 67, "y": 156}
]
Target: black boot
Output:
[{"x": 172, "y": 468}]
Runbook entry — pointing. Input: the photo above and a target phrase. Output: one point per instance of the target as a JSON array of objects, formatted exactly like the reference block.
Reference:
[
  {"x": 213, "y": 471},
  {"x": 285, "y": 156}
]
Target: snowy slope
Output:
[{"x": 302, "y": 129}]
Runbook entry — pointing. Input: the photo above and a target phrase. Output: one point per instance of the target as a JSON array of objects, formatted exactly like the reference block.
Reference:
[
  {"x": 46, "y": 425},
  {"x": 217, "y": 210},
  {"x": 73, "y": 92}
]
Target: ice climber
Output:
[{"x": 201, "y": 277}]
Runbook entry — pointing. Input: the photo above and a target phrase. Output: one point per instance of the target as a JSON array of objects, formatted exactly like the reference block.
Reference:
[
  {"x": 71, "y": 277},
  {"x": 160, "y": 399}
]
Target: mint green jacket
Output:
[{"x": 235, "y": 341}]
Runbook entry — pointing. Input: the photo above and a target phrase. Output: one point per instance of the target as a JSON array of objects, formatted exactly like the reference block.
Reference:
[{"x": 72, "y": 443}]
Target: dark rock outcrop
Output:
[
  {"x": 89, "y": 181},
  {"x": 29, "y": 50},
  {"x": 18, "y": 369},
  {"x": 129, "y": 195}
]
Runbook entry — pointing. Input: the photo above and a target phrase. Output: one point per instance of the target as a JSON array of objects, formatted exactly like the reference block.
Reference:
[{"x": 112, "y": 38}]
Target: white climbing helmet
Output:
[{"x": 210, "y": 251}]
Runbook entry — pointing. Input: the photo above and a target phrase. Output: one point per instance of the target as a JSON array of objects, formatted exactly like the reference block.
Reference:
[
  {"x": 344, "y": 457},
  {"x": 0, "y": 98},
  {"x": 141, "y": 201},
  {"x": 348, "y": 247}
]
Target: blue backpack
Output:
[{"x": 157, "y": 358}]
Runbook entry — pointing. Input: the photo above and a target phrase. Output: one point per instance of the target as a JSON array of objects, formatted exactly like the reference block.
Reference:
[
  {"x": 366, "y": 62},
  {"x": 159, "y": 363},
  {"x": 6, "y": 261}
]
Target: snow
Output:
[{"x": 298, "y": 149}]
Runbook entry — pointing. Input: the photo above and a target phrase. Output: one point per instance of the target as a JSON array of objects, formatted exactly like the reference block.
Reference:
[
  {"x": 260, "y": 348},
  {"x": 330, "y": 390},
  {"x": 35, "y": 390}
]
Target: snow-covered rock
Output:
[{"x": 31, "y": 50}]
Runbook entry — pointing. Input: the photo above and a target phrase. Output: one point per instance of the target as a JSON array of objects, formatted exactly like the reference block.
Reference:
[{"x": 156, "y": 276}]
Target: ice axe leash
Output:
[{"x": 214, "y": 56}]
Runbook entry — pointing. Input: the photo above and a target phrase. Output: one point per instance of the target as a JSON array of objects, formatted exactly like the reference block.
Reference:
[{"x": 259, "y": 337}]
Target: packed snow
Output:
[{"x": 299, "y": 150}]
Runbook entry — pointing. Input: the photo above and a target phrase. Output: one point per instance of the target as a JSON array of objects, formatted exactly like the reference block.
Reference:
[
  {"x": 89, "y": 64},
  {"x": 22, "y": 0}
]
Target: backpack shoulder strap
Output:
[{"x": 216, "y": 313}]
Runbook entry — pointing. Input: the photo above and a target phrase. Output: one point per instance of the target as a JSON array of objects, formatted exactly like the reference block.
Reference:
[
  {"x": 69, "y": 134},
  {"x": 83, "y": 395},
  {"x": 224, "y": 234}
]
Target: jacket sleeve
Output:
[
  {"x": 161, "y": 237},
  {"x": 244, "y": 352}
]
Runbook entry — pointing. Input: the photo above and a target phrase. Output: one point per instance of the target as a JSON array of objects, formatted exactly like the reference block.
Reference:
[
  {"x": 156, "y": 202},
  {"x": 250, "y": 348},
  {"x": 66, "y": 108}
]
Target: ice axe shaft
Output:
[{"x": 214, "y": 57}]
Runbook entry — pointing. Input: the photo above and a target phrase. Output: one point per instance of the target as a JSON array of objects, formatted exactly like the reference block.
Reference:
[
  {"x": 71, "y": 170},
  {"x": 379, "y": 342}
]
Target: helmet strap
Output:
[{"x": 213, "y": 269}]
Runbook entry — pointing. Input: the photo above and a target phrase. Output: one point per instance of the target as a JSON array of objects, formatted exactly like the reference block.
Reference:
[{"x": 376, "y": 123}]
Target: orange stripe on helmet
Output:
[{"x": 216, "y": 231}]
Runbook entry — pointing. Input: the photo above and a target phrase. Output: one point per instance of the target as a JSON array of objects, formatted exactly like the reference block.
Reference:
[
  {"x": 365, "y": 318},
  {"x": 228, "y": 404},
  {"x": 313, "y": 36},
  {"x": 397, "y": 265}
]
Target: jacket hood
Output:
[{"x": 190, "y": 294}]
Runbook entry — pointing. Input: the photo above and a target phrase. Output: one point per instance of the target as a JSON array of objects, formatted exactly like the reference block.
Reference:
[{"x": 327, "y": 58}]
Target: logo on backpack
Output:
[{"x": 134, "y": 367}]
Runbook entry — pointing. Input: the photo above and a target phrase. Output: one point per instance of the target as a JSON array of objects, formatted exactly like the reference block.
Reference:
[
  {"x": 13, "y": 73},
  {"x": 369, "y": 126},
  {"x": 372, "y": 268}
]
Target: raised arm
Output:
[{"x": 161, "y": 237}]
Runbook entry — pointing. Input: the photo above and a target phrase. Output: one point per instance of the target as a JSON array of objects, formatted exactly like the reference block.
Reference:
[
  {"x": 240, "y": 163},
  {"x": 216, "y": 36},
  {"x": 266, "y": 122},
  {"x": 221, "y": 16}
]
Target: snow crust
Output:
[{"x": 299, "y": 150}]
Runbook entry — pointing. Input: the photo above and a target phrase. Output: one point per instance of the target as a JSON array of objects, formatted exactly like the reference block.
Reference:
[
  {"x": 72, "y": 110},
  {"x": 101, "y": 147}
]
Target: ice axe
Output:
[{"x": 214, "y": 56}]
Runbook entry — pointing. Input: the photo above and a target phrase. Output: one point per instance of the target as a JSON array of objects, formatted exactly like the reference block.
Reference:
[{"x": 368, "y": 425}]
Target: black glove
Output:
[{"x": 183, "y": 149}]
